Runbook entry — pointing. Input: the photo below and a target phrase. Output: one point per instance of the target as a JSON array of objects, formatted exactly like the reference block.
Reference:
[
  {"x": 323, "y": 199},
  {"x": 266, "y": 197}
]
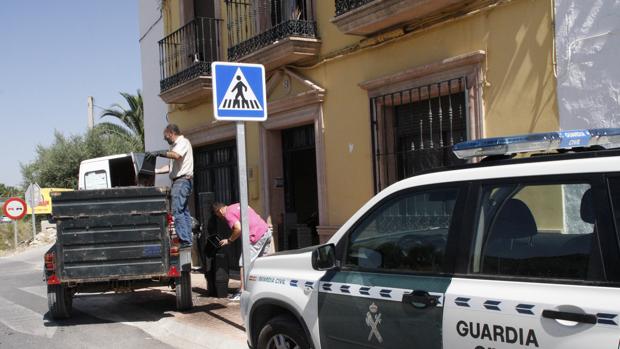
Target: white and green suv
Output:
[{"x": 502, "y": 253}]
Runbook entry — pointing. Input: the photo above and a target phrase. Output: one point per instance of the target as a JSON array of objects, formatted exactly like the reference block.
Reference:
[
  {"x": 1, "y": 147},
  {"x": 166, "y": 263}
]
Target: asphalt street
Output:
[{"x": 144, "y": 318}]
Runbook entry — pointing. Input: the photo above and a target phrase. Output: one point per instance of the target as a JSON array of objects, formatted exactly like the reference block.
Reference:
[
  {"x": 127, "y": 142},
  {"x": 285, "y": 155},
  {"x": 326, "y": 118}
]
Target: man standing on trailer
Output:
[{"x": 181, "y": 172}]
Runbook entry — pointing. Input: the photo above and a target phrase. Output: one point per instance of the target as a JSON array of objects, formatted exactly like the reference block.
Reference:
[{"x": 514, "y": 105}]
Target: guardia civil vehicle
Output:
[{"x": 506, "y": 252}]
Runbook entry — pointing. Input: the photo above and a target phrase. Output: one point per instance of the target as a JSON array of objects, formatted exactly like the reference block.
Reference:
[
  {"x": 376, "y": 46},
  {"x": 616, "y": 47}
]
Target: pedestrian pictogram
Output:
[
  {"x": 240, "y": 95},
  {"x": 239, "y": 92},
  {"x": 14, "y": 208}
]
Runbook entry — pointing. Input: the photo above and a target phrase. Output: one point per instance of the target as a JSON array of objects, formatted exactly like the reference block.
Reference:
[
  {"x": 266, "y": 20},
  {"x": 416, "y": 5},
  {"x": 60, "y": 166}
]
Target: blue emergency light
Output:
[{"x": 607, "y": 138}]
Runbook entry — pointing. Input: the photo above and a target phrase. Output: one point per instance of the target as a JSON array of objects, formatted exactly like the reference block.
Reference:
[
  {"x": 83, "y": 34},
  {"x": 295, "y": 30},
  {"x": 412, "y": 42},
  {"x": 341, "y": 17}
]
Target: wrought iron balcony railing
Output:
[
  {"x": 369, "y": 17},
  {"x": 188, "y": 52},
  {"x": 253, "y": 25},
  {"x": 344, "y": 6}
]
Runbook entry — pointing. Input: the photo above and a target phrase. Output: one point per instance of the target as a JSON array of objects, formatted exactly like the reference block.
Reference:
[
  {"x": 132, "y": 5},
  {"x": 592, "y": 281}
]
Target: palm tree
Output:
[
  {"x": 132, "y": 119},
  {"x": 8, "y": 191}
]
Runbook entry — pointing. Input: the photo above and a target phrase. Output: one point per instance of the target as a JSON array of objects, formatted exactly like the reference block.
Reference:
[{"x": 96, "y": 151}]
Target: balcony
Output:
[
  {"x": 367, "y": 17},
  {"x": 272, "y": 32},
  {"x": 185, "y": 58}
]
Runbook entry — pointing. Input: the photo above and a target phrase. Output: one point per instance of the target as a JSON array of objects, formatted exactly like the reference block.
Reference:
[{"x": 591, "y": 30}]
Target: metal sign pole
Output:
[
  {"x": 34, "y": 221},
  {"x": 240, "y": 94},
  {"x": 15, "y": 233},
  {"x": 243, "y": 199}
]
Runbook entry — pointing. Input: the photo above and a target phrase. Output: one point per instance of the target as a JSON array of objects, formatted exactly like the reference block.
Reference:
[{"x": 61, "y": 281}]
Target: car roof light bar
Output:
[{"x": 539, "y": 142}]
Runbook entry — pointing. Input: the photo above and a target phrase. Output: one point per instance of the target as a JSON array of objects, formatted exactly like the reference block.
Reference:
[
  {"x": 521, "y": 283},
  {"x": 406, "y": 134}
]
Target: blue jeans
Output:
[{"x": 181, "y": 188}]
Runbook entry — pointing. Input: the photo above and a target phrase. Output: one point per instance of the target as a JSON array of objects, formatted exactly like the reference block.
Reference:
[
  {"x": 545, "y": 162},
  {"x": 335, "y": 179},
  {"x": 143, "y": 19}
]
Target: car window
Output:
[
  {"x": 96, "y": 180},
  {"x": 536, "y": 231},
  {"x": 408, "y": 232}
]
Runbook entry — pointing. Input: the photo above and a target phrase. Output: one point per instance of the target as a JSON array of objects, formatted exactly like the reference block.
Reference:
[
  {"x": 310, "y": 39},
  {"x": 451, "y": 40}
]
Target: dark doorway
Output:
[
  {"x": 207, "y": 31},
  {"x": 202, "y": 31},
  {"x": 301, "y": 215},
  {"x": 204, "y": 8},
  {"x": 215, "y": 171}
]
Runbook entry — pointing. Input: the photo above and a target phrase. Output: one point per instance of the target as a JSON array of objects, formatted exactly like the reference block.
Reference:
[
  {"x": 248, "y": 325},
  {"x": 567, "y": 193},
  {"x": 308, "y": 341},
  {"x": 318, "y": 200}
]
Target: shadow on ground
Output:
[
  {"x": 149, "y": 305},
  {"x": 139, "y": 306},
  {"x": 209, "y": 310}
]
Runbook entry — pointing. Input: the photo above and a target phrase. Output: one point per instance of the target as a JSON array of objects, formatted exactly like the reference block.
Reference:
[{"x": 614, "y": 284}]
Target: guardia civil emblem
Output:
[{"x": 373, "y": 320}]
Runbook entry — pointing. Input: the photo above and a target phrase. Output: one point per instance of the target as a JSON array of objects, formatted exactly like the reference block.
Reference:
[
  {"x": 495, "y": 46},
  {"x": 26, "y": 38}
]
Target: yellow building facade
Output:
[{"x": 361, "y": 93}]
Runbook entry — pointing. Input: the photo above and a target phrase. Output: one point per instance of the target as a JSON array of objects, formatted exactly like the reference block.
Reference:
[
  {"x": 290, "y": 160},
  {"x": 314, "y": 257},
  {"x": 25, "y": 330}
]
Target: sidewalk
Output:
[{"x": 213, "y": 322}]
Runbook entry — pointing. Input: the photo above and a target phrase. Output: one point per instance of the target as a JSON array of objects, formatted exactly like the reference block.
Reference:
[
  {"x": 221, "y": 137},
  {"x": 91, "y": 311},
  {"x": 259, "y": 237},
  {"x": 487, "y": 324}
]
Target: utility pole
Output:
[
  {"x": 34, "y": 218},
  {"x": 91, "y": 115}
]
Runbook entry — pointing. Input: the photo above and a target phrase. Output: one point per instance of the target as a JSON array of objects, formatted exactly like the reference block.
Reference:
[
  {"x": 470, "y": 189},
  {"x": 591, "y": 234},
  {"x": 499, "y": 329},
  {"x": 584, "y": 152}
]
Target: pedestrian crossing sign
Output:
[{"x": 239, "y": 92}]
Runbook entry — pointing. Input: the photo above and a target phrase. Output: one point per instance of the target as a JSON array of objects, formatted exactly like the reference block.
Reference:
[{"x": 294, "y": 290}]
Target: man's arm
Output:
[
  {"x": 236, "y": 232},
  {"x": 167, "y": 154},
  {"x": 155, "y": 154},
  {"x": 173, "y": 155}
]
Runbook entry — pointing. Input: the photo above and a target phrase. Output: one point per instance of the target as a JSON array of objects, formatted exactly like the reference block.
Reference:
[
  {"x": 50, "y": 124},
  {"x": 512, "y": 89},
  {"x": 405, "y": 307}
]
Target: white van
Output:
[{"x": 120, "y": 170}]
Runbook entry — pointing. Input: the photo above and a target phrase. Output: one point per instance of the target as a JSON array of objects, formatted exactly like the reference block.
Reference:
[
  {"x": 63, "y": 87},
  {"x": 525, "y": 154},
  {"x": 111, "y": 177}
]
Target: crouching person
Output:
[{"x": 260, "y": 233}]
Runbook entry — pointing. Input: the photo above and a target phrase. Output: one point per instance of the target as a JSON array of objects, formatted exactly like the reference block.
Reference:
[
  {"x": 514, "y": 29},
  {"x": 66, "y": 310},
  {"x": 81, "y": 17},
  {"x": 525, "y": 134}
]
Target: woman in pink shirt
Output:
[{"x": 260, "y": 232}]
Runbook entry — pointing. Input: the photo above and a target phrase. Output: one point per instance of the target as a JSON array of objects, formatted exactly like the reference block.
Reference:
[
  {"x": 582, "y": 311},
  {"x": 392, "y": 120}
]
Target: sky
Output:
[{"x": 53, "y": 55}]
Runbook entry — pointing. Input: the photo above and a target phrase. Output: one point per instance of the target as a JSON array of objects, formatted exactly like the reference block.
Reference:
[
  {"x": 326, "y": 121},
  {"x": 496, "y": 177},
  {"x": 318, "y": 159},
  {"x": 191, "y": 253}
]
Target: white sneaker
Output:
[{"x": 235, "y": 297}]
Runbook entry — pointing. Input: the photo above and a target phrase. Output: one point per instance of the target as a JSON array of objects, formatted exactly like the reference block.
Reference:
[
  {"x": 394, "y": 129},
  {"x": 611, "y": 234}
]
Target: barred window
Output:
[
  {"x": 216, "y": 171},
  {"x": 414, "y": 129}
]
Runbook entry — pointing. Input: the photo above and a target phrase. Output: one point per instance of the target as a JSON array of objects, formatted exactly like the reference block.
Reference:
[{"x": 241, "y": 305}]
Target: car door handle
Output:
[
  {"x": 568, "y": 316},
  {"x": 420, "y": 299}
]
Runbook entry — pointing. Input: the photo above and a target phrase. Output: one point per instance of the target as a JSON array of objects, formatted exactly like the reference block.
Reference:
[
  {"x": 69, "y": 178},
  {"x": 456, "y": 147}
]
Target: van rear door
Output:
[{"x": 145, "y": 169}]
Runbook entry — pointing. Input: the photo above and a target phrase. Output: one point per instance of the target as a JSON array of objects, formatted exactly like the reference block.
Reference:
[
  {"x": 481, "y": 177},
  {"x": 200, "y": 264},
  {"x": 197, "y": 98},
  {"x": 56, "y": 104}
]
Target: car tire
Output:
[
  {"x": 282, "y": 332},
  {"x": 59, "y": 301},
  {"x": 183, "y": 291}
]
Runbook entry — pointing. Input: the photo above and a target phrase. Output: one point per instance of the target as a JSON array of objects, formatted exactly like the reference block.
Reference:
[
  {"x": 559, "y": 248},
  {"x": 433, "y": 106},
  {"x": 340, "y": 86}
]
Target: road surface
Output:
[{"x": 145, "y": 318}]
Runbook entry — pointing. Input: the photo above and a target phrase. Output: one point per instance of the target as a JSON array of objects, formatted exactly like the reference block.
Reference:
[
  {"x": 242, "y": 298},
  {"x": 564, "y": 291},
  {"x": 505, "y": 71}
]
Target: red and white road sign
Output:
[{"x": 14, "y": 208}]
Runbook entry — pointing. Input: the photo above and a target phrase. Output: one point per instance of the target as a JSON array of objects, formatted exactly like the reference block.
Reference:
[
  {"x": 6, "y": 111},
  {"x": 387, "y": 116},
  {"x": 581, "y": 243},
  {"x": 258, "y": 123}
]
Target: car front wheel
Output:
[{"x": 282, "y": 332}]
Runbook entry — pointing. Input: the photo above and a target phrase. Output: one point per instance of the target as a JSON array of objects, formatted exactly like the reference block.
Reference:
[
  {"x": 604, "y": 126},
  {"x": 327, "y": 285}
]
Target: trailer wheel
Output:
[
  {"x": 183, "y": 291},
  {"x": 59, "y": 301}
]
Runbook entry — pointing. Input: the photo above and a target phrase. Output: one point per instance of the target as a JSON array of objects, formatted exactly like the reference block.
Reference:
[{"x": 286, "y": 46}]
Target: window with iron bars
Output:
[
  {"x": 414, "y": 130},
  {"x": 253, "y": 25},
  {"x": 216, "y": 171}
]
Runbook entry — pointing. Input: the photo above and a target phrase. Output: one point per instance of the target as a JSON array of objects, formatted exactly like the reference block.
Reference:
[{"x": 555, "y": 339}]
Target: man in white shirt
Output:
[{"x": 181, "y": 170}]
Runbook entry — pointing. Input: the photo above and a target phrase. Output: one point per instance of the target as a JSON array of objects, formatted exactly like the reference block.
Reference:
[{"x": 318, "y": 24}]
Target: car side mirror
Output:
[{"x": 324, "y": 257}]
